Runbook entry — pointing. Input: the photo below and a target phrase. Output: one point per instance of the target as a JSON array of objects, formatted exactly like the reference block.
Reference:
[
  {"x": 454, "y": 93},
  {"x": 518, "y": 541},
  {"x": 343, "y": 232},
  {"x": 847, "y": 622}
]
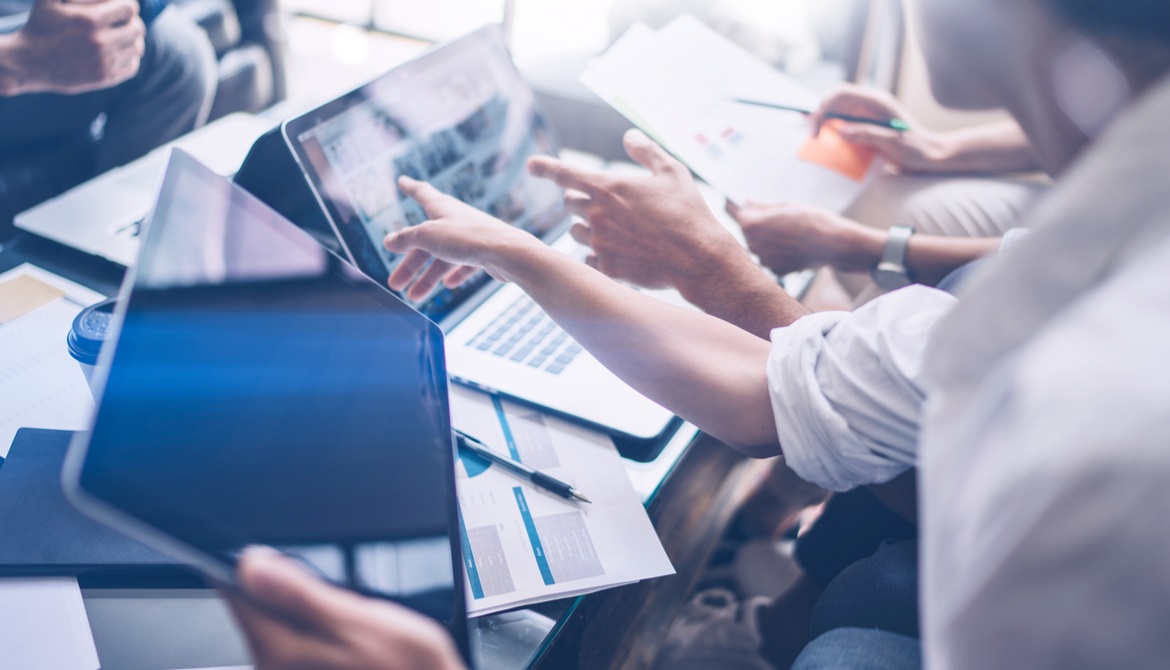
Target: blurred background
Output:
[
  {"x": 285, "y": 56},
  {"x": 324, "y": 47}
]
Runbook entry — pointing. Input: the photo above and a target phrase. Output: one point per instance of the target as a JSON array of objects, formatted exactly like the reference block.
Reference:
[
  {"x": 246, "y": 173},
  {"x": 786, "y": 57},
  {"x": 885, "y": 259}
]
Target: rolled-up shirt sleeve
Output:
[{"x": 846, "y": 388}]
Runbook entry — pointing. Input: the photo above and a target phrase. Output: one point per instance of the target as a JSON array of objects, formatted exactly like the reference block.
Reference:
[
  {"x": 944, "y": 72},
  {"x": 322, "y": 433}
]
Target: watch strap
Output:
[{"x": 897, "y": 241}]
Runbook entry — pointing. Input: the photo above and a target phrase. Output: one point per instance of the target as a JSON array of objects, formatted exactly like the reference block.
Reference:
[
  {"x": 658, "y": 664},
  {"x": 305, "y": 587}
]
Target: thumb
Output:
[
  {"x": 40, "y": 6},
  {"x": 410, "y": 238},
  {"x": 647, "y": 153},
  {"x": 750, "y": 209},
  {"x": 284, "y": 589}
]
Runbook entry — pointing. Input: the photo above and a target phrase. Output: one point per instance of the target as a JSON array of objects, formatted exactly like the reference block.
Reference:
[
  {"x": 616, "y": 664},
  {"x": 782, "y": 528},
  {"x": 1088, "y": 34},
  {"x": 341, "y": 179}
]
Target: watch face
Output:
[{"x": 889, "y": 278}]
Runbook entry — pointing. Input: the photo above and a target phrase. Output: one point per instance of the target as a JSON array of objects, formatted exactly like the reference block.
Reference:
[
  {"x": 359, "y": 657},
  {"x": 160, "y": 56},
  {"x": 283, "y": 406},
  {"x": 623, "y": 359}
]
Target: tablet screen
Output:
[
  {"x": 263, "y": 392},
  {"x": 459, "y": 117}
]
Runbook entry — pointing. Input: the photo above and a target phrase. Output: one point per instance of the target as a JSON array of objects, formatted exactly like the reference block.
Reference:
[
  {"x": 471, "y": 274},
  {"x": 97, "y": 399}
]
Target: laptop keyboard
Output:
[{"x": 523, "y": 333}]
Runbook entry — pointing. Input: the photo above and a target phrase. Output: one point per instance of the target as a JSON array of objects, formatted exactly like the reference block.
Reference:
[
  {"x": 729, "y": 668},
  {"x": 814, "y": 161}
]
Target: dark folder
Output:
[{"x": 41, "y": 534}]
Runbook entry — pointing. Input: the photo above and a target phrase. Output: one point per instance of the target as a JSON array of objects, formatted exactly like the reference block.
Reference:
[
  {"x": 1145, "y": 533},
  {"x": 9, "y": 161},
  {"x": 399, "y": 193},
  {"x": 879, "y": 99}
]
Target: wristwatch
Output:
[{"x": 891, "y": 272}]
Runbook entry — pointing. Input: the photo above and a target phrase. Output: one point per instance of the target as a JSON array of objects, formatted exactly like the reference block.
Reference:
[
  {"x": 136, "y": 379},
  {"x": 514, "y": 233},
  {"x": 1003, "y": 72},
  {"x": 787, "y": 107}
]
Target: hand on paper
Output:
[
  {"x": 653, "y": 230},
  {"x": 789, "y": 236},
  {"x": 294, "y": 621},
  {"x": 459, "y": 238},
  {"x": 72, "y": 47},
  {"x": 914, "y": 151}
]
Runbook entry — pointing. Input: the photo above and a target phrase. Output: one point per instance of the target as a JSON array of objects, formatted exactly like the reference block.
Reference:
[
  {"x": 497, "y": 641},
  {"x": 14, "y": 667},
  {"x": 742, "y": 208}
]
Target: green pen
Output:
[{"x": 893, "y": 124}]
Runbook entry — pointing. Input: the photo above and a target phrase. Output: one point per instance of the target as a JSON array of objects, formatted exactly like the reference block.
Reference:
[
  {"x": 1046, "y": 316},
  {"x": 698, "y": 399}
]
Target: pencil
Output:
[
  {"x": 537, "y": 477},
  {"x": 893, "y": 124}
]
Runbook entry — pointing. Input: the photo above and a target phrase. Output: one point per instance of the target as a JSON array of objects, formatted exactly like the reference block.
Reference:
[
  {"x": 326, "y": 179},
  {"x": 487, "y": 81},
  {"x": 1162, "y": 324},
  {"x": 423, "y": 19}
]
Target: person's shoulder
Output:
[{"x": 1101, "y": 367}]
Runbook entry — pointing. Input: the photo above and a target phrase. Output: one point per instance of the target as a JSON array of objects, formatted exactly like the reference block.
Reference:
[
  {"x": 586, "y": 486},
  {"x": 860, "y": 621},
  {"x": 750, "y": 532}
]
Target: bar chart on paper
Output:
[{"x": 522, "y": 544}]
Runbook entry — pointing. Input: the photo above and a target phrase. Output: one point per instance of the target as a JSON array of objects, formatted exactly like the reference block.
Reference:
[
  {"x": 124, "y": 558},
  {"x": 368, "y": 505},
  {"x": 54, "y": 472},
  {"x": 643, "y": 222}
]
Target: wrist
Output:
[
  {"x": 516, "y": 256},
  {"x": 947, "y": 153},
  {"x": 712, "y": 264},
  {"x": 859, "y": 248},
  {"x": 11, "y": 72}
]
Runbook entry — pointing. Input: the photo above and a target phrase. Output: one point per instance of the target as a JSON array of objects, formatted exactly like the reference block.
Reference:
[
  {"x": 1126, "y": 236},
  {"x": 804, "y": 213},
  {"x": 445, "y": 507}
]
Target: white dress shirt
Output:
[{"x": 1044, "y": 448}]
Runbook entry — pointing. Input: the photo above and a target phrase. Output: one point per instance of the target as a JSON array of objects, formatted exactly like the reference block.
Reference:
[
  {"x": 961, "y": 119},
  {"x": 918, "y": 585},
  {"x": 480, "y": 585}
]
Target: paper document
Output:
[
  {"x": 43, "y": 626},
  {"x": 41, "y": 386},
  {"x": 524, "y": 544},
  {"x": 679, "y": 85}
]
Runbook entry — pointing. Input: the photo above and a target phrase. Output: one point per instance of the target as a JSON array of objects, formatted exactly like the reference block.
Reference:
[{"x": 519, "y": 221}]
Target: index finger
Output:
[
  {"x": 563, "y": 175},
  {"x": 431, "y": 198}
]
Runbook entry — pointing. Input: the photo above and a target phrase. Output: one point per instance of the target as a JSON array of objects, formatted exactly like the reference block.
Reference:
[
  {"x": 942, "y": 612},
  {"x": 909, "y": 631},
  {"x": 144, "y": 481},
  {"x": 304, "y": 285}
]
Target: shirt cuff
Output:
[{"x": 818, "y": 443}]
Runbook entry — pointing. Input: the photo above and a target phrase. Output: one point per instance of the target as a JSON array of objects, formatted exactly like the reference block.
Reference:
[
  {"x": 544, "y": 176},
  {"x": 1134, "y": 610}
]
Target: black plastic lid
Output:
[{"x": 89, "y": 331}]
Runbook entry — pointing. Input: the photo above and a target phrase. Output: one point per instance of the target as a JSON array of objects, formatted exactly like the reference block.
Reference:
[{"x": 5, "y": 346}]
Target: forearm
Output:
[
  {"x": 735, "y": 289},
  {"x": 698, "y": 366},
  {"x": 929, "y": 258},
  {"x": 992, "y": 147}
]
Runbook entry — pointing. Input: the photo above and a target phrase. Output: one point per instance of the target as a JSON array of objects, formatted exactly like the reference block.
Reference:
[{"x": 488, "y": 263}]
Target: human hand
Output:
[
  {"x": 914, "y": 150},
  {"x": 654, "y": 230},
  {"x": 73, "y": 47},
  {"x": 456, "y": 240},
  {"x": 294, "y": 621},
  {"x": 789, "y": 236}
]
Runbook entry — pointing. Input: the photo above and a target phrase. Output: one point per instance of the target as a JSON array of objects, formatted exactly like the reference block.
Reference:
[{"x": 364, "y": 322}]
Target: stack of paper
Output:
[
  {"x": 523, "y": 544},
  {"x": 43, "y": 625},
  {"x": 41, "y": 386},
  {"x": 680, "y": 85}
]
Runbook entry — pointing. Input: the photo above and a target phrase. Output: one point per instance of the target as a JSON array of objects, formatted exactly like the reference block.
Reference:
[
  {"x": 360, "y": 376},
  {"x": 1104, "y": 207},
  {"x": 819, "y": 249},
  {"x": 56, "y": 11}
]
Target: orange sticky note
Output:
[{"x": 830, "y": 150}]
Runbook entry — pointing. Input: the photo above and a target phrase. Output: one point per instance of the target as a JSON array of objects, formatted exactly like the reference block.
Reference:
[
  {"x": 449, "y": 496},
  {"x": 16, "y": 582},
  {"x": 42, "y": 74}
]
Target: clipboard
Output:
[{"x": 42, "y": 535}]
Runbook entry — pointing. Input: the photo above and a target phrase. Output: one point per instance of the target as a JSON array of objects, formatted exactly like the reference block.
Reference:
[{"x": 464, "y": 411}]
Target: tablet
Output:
[
  {"x": 257, "y": 390},
  {"x": 460, "y": 117}
]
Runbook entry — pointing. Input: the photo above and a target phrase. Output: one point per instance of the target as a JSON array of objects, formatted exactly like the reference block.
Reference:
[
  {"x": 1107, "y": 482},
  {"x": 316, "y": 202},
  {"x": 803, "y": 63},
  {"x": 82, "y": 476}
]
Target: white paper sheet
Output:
[
  {"x": 41, "y": 386},
  {"x": 528, "y": 545},
  {"x": 43, "y": 626},
  {"x": 679, "y": 85}
]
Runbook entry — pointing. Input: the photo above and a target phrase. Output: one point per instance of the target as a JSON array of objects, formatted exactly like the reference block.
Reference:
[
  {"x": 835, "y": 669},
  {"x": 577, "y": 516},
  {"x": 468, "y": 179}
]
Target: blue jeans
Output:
[
  {"x": 876, "y": 592},
  {"x": 867, "y": 617},
  {"x": 860, "y": 649}
]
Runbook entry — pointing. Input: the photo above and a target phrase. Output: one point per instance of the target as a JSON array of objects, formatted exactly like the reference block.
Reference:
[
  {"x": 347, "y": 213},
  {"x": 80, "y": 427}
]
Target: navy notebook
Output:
[{"x": 41, "y": 534}]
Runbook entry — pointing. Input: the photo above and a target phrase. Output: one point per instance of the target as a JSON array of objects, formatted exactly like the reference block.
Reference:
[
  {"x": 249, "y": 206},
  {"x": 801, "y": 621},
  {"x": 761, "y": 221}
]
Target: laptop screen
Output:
[
  {"x": 263, "y": 392},
  {"x": 459, "y": 117}
]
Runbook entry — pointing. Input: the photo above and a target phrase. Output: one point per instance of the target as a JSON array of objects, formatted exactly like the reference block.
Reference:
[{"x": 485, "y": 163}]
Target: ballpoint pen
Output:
[
  {"x": 894, "y": 124},
  {"x": 538, "y": 478}
]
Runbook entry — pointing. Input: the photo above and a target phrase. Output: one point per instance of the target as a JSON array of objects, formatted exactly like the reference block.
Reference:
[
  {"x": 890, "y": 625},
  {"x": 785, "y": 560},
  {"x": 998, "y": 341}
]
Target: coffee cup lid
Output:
[{"x": 90, "y": 328}]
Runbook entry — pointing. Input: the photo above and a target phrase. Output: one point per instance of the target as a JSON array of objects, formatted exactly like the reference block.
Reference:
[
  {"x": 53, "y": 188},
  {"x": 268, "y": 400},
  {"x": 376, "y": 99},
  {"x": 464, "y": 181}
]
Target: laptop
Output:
[
  {"x": 258, "y": 390},
  {"x": 102, "y": 216},
  {"x": 461, "y": 117}
]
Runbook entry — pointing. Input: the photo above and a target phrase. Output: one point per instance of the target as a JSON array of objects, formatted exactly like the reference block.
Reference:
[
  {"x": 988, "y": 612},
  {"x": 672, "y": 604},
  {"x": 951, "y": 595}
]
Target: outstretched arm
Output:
[
  {"x": 700, "y": 367},
  {"x": 655, "y": 230}
]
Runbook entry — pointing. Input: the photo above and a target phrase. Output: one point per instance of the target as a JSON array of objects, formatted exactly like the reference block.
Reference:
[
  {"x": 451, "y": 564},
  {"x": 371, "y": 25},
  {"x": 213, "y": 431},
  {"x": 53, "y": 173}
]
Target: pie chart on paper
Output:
[{"x": 473, "y": 464}]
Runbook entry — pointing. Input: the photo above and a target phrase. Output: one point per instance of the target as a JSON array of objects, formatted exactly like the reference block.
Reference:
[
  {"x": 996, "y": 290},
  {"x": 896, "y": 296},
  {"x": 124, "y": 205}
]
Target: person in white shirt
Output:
[{"x": 1044, "y": 477}]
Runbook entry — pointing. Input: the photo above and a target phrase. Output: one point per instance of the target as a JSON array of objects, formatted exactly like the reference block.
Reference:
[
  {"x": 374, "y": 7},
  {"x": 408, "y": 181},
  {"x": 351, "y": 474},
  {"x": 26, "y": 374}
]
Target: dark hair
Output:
[{"x": 1139, "y": 19}]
